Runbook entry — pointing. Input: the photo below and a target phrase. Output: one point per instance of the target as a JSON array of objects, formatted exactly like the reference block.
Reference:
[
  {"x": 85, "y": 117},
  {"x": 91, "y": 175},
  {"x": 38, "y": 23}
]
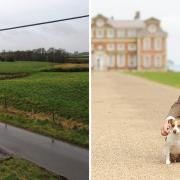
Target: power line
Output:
[{"x": 42, "y": 23}]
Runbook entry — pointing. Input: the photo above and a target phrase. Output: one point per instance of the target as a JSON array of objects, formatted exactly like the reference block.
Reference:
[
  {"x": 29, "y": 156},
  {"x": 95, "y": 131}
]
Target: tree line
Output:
[{"x": 41, "y": 54}]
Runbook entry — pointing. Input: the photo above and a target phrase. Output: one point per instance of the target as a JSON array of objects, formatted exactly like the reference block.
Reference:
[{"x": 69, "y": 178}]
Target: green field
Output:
[
  {"x": 17, "y": 169},
  {"x": 168, "y": 78},
  {"x": 23, "y": 66},
  {"x": 46, "y": 93}
]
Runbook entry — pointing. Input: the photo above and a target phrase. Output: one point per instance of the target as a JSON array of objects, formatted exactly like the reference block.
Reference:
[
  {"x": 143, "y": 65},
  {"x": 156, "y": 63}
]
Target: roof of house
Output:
[
  {"x": 135, "y": 23},
  {"x": 127, "y": 23}
]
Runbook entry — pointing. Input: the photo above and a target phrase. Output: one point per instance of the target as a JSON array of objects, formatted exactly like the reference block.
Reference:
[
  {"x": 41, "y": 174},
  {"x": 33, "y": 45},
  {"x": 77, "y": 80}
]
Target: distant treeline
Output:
[{"x": 49, "y": 55}]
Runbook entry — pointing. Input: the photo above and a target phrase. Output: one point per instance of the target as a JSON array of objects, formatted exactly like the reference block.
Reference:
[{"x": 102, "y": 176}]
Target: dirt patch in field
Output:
[{"x": 4, "y": 76}]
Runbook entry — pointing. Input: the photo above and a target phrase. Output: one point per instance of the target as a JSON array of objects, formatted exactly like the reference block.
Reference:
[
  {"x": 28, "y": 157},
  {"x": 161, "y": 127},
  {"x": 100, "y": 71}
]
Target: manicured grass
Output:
[
  {"x": 18, "y": 169},
  {"x": 169, "y": 78}
]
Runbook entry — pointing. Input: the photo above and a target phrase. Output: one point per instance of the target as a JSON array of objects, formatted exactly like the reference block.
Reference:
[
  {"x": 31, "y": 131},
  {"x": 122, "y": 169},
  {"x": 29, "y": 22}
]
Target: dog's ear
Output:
[{"x": 170, "y": 121}]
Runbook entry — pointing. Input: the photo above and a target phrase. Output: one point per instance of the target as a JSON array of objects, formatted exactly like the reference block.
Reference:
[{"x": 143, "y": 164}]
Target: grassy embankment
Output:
[
  {"x": 34, "y": 100},
  {"x": 168, "y": 78},
  {"x": 18, "y": 169}
]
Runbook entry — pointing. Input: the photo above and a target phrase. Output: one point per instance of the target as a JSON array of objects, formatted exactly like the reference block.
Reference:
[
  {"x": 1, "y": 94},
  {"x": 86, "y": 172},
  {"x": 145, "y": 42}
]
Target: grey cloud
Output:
[{"x": 72, "y": 35}]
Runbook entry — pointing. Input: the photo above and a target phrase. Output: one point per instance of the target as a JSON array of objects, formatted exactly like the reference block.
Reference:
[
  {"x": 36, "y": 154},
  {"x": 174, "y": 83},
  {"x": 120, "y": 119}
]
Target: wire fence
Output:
[{"x": 7, "y": 102}]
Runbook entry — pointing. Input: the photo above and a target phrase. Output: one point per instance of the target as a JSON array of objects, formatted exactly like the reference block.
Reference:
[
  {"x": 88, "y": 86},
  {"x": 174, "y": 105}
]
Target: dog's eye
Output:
[
  {"x": 172, "y": 125},
  {"x": 178, "y": 126}
]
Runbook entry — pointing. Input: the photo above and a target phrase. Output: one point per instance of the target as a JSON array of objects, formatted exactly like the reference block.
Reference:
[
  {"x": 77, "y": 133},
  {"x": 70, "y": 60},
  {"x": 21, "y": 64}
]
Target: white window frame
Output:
[
  {"x": 158, "y": 43},
  {"x": 146, "y": 44},
  {"x": 158, "y": 61},
  {"x": 110, "y": 47},
  {"x": 110, "y": 60},
  {"x": 121, "y": 33},
  {"x": 147, "y": 58},
  {"x": 98, "y": 36},
  {"x": 132, "y": 47},
  {"x": 121, "y": 47},
  {"x": 110, "y": 33},
  {"x": 132, "y": 61},
  {"x": 121, "y": 60}
]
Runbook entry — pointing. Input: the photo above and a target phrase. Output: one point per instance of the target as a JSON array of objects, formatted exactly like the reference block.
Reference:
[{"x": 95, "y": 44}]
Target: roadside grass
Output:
[
  {"x": 75, "y": 135},
  {"x": 17, "y": 169},
  {"x": 168, "y": 78},
  {"x": 65, "y": 94}
]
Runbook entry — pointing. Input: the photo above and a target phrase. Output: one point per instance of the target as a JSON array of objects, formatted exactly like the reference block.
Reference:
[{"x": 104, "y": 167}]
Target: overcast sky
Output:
[
  {"x": 167, "y": 11},
  {"x": 70, "y": 35}
]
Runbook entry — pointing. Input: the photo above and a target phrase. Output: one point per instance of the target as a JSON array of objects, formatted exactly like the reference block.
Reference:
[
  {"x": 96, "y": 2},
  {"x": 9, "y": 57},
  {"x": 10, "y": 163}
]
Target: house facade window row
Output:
[
  {"x": 112, "y": 33},
  {"x": 147, "y": 61},
  {"x": 156, "y": 44},
  {"x": 132, "y": 60},
  {"x": 146, "y": 46},
  {"x": 118, "y": 47}
]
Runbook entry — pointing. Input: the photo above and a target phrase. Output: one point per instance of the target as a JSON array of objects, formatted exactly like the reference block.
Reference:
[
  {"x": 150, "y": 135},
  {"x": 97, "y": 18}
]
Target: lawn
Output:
[
  {"x": 18, "y": 169},
  {"x": 62, "y": 95},
  {"x": 168, "y": 78}
]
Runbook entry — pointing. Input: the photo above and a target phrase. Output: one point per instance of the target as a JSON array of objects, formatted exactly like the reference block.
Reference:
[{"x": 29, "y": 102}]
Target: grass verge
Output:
[
  {"x": 15, "y": 168},
  {"x": 72, "y": 135},
  {"x": 168, "y": 78}
]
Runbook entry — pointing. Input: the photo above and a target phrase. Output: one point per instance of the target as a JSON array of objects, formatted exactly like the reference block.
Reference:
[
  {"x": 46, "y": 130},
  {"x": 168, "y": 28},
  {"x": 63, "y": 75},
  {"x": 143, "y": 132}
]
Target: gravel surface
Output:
[{"x": 127, "y": 115}]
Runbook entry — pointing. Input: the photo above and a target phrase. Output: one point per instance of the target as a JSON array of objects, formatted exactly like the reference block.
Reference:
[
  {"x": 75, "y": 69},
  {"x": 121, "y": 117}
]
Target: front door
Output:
[{"x": 100, "y": 63}]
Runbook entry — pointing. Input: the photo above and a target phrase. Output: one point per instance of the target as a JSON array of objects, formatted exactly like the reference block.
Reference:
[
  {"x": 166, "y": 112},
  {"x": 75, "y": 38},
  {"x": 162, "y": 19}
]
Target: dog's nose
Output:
[{"x": 174, "y": 131}]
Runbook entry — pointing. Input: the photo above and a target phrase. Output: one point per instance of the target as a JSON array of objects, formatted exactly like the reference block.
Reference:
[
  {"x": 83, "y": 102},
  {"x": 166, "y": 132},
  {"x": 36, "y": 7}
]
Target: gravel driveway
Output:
[{"x": 127, "y": 114}]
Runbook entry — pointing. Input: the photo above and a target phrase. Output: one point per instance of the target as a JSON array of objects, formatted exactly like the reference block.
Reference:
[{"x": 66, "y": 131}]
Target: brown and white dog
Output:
[{"x": 172, "y": 143}]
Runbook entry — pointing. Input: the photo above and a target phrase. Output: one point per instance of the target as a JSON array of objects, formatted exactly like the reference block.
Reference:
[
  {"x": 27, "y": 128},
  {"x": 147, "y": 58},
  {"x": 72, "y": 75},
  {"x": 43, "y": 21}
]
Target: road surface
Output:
[
  {"x": 127, "y": 115},
  {"x": 62, "y": 158}
]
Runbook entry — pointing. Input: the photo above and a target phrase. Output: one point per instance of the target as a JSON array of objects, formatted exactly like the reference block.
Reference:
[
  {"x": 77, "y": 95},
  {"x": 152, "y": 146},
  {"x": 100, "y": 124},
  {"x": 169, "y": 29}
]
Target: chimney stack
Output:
[{"x": 137, "y": 15}]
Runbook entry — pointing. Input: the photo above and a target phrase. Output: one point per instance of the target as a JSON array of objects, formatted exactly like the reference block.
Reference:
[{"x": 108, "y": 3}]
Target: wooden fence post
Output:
[
  {"x": 5, "y": 102},
  {"x": 53, "y": 117}
]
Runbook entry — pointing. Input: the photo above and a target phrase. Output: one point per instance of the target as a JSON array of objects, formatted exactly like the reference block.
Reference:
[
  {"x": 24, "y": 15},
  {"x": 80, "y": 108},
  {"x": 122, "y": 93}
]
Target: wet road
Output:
[{"x": 62, "y": 158}]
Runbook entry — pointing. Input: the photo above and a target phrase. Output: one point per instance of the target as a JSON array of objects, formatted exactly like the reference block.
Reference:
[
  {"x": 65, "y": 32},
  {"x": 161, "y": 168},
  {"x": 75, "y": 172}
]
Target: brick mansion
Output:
[{"x": 128, "y": 44}]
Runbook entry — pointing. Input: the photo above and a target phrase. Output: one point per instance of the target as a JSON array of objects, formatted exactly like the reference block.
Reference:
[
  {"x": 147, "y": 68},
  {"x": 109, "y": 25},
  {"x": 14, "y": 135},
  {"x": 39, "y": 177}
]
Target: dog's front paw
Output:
[{"x": 168, "y": 162}]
